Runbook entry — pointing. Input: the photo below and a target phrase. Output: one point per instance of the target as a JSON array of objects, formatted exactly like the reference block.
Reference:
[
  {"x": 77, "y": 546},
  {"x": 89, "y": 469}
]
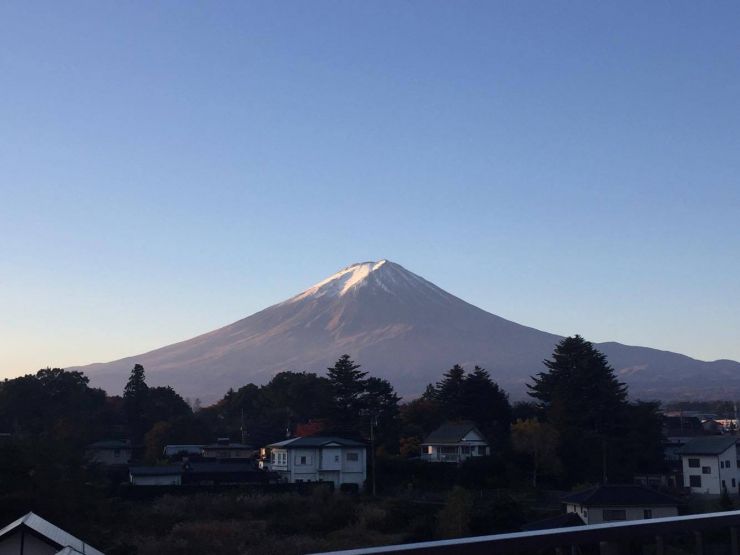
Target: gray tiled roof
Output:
[
  {"x": 316, "y": 441},
  {"x": 708, "y": 445},
  {"x": 451, "y": 432}
]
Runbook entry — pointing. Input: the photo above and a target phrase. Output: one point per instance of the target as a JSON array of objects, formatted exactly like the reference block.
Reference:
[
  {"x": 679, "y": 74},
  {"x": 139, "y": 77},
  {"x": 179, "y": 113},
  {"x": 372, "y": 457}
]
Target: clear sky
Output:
[{"x": 169, "y": 167}]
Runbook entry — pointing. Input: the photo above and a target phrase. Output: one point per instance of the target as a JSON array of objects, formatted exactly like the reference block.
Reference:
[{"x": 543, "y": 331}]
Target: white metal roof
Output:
[{"x": 53, "y": 533}]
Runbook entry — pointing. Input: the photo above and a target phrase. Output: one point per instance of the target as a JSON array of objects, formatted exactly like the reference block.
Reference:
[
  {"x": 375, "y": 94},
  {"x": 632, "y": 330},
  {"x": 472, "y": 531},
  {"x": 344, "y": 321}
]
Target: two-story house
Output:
[
  {"x": 711, "y": 465},
  {"x": 454, "y": 442},
  {"x": 317, "y": 458}
]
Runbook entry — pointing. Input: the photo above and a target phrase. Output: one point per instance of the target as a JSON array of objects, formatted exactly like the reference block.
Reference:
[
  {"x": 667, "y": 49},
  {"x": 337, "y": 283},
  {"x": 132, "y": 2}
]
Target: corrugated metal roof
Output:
[{"x": 50, "y": 531}]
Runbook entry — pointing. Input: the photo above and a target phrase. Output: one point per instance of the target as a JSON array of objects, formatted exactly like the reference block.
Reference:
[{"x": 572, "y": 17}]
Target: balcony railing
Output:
[{"x": 610, "y": 538}]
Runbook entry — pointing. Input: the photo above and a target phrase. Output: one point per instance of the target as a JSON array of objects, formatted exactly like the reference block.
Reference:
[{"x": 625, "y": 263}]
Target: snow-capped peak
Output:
[
  {"x": 382, "y": 274},
  {"x": 340, "y": 283}
]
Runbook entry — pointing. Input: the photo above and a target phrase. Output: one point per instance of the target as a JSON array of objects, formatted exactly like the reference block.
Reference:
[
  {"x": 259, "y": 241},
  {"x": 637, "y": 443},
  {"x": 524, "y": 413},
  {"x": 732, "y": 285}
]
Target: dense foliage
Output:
[{"x": 601, "y": 436}]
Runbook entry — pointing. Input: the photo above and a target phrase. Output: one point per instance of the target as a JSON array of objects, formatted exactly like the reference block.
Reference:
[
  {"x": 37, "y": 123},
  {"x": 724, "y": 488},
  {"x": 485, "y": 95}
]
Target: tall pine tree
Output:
[
  {"x": 582, "y": 399},
  {"x": 347, "y": 383},
  {"x": 135, "y": 402}
]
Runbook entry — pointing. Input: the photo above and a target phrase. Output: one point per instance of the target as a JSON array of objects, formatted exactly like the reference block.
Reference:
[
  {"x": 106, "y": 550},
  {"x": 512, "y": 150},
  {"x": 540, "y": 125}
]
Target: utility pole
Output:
[
  {"x": 373, "y": 423},
  {"x": 241, "y": 429}
]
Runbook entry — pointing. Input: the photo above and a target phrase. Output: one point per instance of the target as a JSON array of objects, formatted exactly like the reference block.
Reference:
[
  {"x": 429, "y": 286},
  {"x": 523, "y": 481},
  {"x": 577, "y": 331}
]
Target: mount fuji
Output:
[{"x": 401, "y": 327}]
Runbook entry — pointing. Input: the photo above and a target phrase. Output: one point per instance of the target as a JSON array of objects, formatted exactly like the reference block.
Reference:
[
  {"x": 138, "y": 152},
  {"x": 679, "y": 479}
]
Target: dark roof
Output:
[
  {"x": 451, "y": 432},
  {"x": 710, "y": 445},
  {"x": 215, "y": 468},
  {"x": 227, "y": 446},
  {"x": 565, "y": 520},
  {"x": 155, "y": 470},
  {"x": 617, "y": 495},
  {"x": 111, "y": 444},
  {"x": 316, "y": 441}
]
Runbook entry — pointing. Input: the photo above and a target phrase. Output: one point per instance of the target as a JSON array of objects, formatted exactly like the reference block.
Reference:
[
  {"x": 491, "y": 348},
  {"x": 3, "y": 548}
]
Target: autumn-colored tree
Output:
[{"x": 539, "y": 440}]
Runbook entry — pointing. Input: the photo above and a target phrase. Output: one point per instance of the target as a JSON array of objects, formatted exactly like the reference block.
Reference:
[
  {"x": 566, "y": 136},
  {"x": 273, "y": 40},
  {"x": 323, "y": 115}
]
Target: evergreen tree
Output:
[
  {"x": 380, "y": 407},
  {"x": 347, "y": 384},
  {"x": 449, "y": 393},
  {"x": 580, "y": 388},
  {"x": 582, "y": 399},
  {"x": 486, "y": 404},
  {"x": 135, "y": 402}
]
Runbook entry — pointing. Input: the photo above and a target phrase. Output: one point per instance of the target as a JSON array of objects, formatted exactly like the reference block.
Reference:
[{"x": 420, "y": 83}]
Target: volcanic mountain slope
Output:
[{"x": 400, "y": 327}]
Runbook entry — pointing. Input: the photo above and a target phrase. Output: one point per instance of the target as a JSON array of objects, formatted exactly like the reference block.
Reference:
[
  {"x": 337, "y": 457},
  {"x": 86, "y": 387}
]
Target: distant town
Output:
[{"x": 312, "y": 463}]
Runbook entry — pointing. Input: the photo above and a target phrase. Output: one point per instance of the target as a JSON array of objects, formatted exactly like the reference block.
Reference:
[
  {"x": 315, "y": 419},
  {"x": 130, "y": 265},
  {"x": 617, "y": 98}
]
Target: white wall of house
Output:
[
  {"x": 163, "y": 480},
  {"x": 712, "y": 472},
  {"x": 340, "y": 465},
  {"x": 454, "y": 452},
  {"x": 597, "y": 515}
]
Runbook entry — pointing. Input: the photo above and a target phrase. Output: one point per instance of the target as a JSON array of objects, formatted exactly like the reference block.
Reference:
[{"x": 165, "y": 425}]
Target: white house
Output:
[
  {"x": 454, "y": 442},
  {"x": 32, "y": 535},
  {"x": 711, "y": 465},
  {"x": 610, "y": 503},
  {"x": 170, "y": 475},
  {"x": 110, "y": 452},
  {"x": 317, "y": 458}
]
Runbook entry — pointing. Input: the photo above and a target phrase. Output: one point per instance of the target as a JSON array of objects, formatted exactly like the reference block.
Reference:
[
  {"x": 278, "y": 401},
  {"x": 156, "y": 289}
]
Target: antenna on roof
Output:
[{"x": 242, "y": 430}]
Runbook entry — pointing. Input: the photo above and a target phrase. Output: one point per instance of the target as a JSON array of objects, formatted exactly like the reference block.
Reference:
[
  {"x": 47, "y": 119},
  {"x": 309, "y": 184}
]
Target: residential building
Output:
[
  {"x": 110, "y": 452},
  {"x": 317, "y": 458},
  {"x": 710, "y": 465},
  {"x": 32, "y": 535},
  {"x": 454, "y": 442},
  {"x": 608, "y": 503},
  {"x": 170, "y": 475},
  {"x": 177, "y": 452},
  {"x": 225, "y": 449},
  {"x": 199, "y": 474}
]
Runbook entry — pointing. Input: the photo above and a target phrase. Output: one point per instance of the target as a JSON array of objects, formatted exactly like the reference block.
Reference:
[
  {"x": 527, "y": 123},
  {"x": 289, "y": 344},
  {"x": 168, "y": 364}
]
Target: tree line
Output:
[{"x": 578, "y": 427}]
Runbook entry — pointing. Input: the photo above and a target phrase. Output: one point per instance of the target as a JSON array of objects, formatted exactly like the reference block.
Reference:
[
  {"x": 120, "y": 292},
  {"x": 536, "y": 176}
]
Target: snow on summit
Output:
[{"x": 341, "y": 282}]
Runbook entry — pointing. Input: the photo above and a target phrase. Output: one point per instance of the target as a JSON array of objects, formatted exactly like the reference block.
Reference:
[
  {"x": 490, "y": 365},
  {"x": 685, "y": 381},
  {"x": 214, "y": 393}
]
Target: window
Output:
[
  {"x": 727, "y": 464},
  {"x": 302, "y": 460},
  {"x": 733, "y": 483},
  {"x": 614, "y": 514},
  {"x": 706, "y": 470},
  {"x": 353, "y": 457},
  {"x": 647, "y": 513},
  {"x": 721, "y": 464},
  {"x": 695, "y": 481},
  {"x": 694, "y": 463},
  {"x": 738, "y": 463}
]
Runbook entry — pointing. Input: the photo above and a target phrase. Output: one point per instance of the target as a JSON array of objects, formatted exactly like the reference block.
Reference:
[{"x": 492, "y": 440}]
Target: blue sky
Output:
[{"x": 167, "y": 168}]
